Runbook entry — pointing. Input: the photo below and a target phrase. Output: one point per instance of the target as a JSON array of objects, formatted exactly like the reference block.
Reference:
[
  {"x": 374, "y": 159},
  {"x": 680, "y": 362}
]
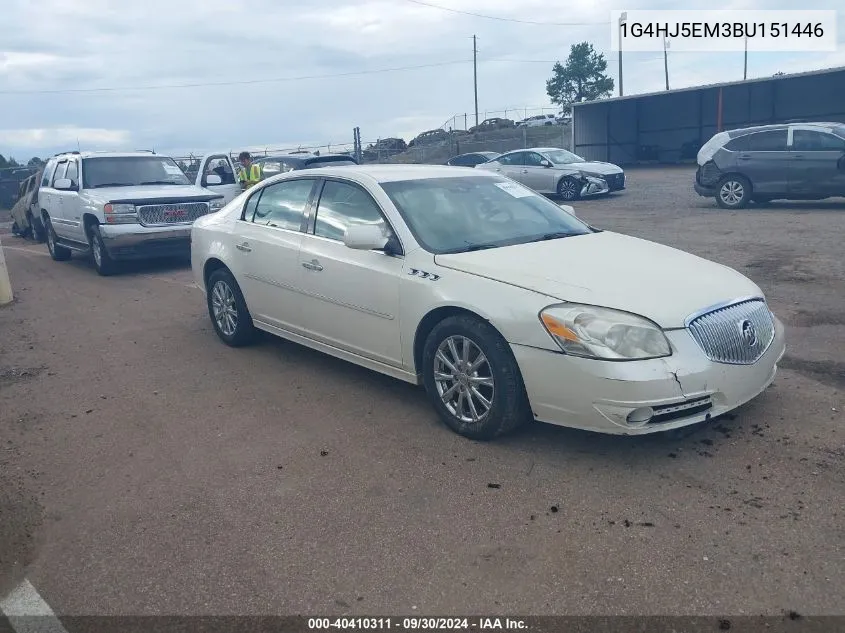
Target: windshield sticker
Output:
[
  {"x": 172, "y": 170},
  {"x": 517, "y": 191}
]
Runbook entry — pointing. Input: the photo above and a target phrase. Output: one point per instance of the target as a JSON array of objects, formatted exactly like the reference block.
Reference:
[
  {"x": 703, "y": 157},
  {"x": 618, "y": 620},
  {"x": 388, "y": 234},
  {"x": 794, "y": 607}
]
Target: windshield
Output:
[
  {"x": 452, "y": 215},
  {"x": 563, "y": 157},
  {"x": 129, "y": 171}
]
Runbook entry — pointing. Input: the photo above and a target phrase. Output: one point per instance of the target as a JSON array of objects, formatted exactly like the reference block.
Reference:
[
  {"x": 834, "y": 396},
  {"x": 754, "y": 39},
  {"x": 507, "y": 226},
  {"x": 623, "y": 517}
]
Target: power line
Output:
[
  {"x": 503, "y": 19},
  {"x": 269, "y": 80}
]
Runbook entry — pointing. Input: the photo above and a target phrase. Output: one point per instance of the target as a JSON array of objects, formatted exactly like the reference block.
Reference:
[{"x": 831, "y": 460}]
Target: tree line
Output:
[{"x": 8, "y": 163}]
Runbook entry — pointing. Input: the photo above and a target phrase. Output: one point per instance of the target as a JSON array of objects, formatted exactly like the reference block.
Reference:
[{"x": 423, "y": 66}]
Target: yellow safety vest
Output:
[{"x": 251, "y": 178}]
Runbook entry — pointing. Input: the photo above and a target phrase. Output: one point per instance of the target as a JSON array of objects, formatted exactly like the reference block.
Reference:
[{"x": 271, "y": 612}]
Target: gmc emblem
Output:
[{"x": 176, "y": 213}]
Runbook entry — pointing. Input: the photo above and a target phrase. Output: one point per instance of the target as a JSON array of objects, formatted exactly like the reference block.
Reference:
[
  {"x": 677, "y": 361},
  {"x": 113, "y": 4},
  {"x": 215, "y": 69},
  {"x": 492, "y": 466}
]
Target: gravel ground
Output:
[{"x": 145, "y": 468}]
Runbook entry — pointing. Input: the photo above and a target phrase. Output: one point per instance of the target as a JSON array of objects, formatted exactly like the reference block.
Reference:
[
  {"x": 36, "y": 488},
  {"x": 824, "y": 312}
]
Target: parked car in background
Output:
[
  {"x": 563, "y": 118},
  {"x": 538, "y": 121},
  {"x": 384, "y": 148},
  {"x": 551, "y": 170},
  {"x": 119, "y": 206},
  {"x": 800, "y": 161},
  {"x": 274, "y": 165},
  {"x": 471, "y": 159},
  {"x": 25, "y": 217},
  {"x": 505, "y": 306},
  {"x": 430, "y": 137},
  {"x": 495, "y": 123}
]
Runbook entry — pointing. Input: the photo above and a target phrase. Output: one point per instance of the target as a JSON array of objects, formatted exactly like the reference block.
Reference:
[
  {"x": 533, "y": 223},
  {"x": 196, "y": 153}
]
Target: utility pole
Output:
[
  {"x": 475, "y": 75},
  {"x": 666, "y": 61},
  {"x": 622, "y": 19},
  {"x": 745, "y": 65}
]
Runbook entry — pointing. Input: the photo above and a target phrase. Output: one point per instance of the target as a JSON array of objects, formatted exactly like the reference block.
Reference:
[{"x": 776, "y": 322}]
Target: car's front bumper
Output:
[
  {"x": 133, "y": 241},
  {"x": 682, "y": 389}
]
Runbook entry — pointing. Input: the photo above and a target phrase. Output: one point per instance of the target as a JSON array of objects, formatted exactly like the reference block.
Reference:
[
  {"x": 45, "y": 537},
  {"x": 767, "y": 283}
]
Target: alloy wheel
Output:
[
  {"x": 732, "y": 192},
  {"x": 224, "y": 308},
  {"x": 569, "y": 189},
  {"x": 464, "y": 379}
]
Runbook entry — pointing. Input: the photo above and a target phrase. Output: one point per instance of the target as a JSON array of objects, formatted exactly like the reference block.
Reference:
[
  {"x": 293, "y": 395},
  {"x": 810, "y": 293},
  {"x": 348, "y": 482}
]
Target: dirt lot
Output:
[{"x": 148, "y": 469}]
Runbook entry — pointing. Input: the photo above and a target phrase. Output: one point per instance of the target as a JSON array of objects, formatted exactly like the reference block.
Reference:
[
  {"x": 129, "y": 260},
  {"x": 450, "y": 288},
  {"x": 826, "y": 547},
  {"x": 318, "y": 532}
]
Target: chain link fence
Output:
[
  {"x": 467, "y": 121},
  {"x": 499, "y": 141}
]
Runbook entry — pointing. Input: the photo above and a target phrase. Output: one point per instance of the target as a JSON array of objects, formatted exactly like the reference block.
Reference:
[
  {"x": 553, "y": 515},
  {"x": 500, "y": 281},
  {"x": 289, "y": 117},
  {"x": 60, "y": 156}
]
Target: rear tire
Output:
[
  {"x": 569, "y": 189},
  {"x": 228, "y": 311},
  {"x": 57, "y": 252},
  {"x": 734, "y": 192},
  {"x": 36, "y": 229},
  {"x": 473, "y": 380}
]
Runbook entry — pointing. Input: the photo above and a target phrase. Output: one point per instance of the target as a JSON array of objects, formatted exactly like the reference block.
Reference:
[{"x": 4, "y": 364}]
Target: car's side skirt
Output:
[{"x": 368, "y": 363}]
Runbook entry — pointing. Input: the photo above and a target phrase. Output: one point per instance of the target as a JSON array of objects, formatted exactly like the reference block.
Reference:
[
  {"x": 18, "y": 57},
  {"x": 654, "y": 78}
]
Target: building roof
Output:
[{"x": 740, "y": 82}]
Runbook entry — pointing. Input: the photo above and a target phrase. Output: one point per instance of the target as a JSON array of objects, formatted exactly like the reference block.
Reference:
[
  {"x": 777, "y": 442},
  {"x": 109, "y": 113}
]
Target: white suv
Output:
[
  {"x": 538, "y": 120},
  {"x": 133, "y": 205}
]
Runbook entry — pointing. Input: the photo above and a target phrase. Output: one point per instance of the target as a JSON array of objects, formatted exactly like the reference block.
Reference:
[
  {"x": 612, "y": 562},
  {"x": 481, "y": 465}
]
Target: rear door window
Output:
[
  {"x": 813, "y": 141},
  {"x": 768, "y": 141}
]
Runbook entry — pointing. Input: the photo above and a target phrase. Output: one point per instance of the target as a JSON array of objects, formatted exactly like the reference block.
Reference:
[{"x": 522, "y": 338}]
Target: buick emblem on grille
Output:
[{"x": 749, "y": 332}]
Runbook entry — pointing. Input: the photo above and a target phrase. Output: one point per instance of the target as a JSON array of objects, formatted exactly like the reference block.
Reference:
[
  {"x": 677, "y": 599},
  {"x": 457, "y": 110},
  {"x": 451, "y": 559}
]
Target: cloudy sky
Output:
[{"x": 194, "y": 75}]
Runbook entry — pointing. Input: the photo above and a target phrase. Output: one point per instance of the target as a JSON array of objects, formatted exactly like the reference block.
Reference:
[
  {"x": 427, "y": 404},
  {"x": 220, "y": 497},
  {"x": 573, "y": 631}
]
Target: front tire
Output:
[
  {"x": 57, "y": 252},
  {"x": 734, "y": 192},
  {"x": 569, "y": 189},
  {"x": 228, "y": 311},
  {"x": 473, "y": 379},
  {"x": 103, "y": 262}
]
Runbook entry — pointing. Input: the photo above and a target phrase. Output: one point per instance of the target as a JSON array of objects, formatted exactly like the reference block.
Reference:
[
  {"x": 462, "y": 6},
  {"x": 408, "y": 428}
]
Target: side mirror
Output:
[
  {"x": 364, "y": 237},
  {"x": 545, "y": 163},
  {"x": 63, "y": 184},
  {"x": 213, "y": 179}
]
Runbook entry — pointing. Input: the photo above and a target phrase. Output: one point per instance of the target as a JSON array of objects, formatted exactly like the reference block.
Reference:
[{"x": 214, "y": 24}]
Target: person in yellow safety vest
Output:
[{"x": 249, "y": 174}]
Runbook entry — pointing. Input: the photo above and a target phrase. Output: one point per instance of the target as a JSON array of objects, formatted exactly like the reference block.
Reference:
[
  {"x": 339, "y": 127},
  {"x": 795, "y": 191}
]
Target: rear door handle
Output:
[
  {"x": 312, "y": 265},
  {"x": 798, "y": 156},
  {"x": 744, "y": 157},
  {"x": 524, "y": 171},
  {"x": 243, "y": 247}
]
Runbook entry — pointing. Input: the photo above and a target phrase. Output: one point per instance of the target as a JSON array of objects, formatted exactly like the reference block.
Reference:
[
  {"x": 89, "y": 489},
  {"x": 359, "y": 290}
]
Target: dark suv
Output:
[
  {"x": 273, "y": 165},
  {"x": 796, "y": 161}
]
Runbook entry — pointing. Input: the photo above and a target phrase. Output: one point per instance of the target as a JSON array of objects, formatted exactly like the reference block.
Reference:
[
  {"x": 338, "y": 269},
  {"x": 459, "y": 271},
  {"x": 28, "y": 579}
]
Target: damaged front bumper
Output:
[
  {"x": 594, "y": 186},
  {"x": 640, "y": 397}
]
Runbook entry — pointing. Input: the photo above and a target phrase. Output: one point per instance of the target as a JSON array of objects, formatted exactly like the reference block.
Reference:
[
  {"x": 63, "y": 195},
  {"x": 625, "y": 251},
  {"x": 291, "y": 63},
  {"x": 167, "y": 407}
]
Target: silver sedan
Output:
[{"x": 551, "y": 170}]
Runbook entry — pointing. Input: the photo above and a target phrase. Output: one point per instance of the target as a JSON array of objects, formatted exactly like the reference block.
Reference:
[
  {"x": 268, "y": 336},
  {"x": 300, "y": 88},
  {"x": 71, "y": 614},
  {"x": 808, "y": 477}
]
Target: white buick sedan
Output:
[{"x": 504, "y": 305}]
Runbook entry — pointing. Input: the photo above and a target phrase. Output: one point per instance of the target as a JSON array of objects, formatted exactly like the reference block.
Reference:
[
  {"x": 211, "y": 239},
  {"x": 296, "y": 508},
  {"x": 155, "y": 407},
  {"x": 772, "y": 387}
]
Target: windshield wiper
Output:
[
  {"x": 554, "y": 236},
  {"x": 161, "y": 182},
  {"x": 110, "y": 184},
  {"x": 476, "y": 247}
]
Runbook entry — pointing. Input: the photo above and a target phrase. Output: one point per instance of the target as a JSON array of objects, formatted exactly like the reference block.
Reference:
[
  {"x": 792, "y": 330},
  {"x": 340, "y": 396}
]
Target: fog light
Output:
[{"x": 640, "y": 416}]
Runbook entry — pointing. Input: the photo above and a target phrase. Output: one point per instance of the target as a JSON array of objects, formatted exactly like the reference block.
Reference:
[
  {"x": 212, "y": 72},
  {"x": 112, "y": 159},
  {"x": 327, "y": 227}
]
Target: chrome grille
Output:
[
  {"x": 166, "y": 214},
  {"x": 737, "y": 334}
]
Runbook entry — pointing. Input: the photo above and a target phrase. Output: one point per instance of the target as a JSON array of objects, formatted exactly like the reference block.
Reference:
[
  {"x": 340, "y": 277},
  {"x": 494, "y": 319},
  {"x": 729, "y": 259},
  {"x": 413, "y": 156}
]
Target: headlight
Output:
[
  {"x": 120, "y": 213},
  {"x": 602, "y": 333},
  {"x": 215, "y": 205}
]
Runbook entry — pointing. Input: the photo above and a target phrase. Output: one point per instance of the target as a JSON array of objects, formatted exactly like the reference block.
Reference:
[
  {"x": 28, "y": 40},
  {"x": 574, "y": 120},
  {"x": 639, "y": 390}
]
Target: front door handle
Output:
[
  {"x": 243, "y": 247},
  {"x": 312, "y": 265},
  {"x": 745, "y": 157},
  {"x": 524, "y": 171},
  {"x": 798, "y": 156}
]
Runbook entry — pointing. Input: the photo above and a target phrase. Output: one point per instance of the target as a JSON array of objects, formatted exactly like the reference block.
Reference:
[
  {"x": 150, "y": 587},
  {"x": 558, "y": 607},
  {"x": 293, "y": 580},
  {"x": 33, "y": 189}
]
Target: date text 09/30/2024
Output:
[{"x": 417, "y": 623}]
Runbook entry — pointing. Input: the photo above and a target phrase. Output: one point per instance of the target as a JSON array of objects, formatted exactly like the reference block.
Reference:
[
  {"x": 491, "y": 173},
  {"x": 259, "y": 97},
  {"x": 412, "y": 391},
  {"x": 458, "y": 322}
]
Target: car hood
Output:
[
  {"x": 152, "y": 192},
  {"x": 592, "y": 167},
  {"x": 612, "y": 270}
]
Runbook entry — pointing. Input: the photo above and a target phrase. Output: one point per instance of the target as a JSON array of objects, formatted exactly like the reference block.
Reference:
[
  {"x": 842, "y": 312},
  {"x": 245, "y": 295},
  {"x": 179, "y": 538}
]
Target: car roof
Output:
[
  {"x": 380, "y": 173},
  {"x": 95, "y": 154},
  {"x": 825, "y": 125},
  {"x": 301, "y": 157}
]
